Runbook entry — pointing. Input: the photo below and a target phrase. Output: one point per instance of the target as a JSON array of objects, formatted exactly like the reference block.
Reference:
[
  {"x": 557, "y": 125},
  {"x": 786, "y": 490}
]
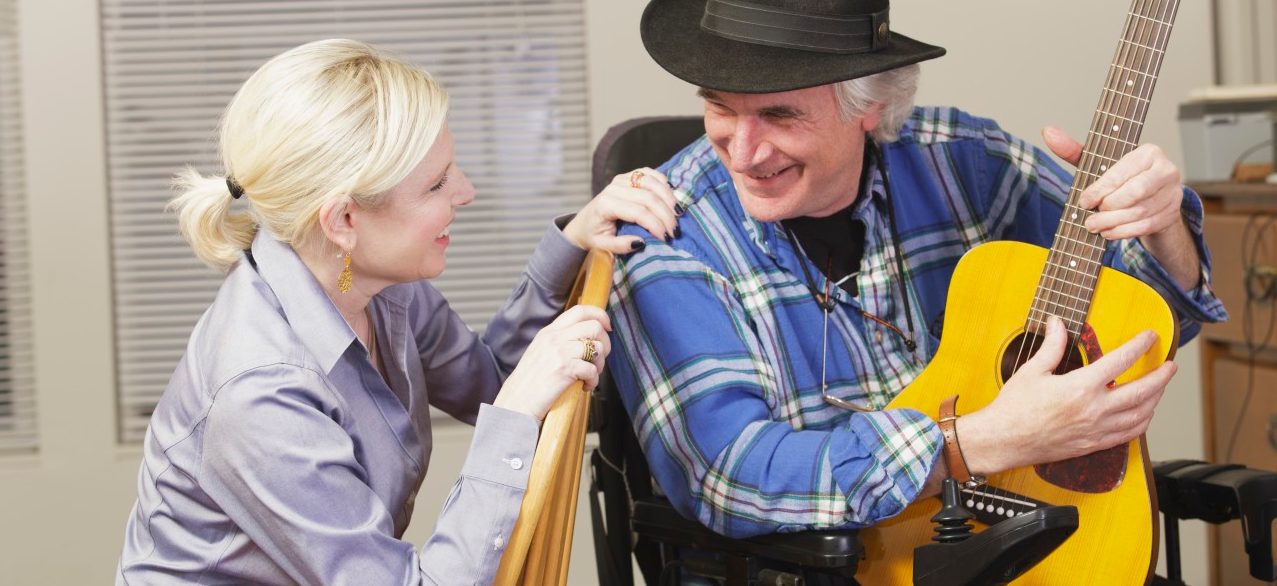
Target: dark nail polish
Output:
[
  {"x": 677, "y": 232},
  {"x": 678, "y": 209},
  {"x": 638, "y": 245}
]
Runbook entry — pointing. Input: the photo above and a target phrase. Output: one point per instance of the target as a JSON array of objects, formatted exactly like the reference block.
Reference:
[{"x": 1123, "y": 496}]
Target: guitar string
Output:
[
  {"x": 1143, "y": 58},
  {"x": 1071, "y": 243},
  {"x": 1143, "y": 29}
]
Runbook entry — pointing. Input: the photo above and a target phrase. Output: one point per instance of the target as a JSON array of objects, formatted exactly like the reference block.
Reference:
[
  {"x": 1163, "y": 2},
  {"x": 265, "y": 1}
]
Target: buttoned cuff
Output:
[{"x": 503, "y": 446}]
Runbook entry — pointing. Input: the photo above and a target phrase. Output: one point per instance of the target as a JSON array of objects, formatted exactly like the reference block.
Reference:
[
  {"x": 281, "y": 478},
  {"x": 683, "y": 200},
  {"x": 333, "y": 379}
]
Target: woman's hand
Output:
[
  {"x": 555, "y": 359},
  {"x": 642, "y": 197},
  {"x": 1041, "y": 417}
]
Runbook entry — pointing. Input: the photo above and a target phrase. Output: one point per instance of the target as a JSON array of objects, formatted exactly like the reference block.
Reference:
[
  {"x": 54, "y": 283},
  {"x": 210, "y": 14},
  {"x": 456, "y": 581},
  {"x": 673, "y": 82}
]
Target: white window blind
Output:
[
  {"x": 17, "y": 400},
  {"x": 516, "y": 74}
]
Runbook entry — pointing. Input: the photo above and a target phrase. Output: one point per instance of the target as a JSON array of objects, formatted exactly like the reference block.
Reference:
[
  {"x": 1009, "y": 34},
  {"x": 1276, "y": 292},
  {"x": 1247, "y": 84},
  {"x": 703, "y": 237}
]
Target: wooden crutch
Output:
[{"x": 540, "y": 546}]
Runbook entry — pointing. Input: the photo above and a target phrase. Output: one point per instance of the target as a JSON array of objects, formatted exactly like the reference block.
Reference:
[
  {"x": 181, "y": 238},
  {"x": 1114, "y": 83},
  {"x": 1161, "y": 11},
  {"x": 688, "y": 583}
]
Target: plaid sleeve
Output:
[
  {"x": 1193, "y": 307},
  {"x": 702, "y": 398}
]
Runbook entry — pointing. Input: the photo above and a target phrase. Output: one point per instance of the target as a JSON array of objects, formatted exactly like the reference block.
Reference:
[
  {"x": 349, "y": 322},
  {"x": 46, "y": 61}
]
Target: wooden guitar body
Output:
[{"x": 990, "y": 295}]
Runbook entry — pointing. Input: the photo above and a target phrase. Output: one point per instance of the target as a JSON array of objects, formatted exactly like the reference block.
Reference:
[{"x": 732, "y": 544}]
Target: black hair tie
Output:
[{"x": 234, "y": 187}]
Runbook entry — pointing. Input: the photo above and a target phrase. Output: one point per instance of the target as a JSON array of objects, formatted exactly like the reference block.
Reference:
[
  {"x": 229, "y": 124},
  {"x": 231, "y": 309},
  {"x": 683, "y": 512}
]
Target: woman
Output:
[{"x": 295, "y": 432}]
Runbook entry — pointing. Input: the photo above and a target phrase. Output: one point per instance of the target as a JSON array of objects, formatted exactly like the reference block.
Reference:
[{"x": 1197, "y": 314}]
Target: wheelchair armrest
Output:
[
  {"x": 838, "y": 550},
  {"x": 1217, "y": 493}
]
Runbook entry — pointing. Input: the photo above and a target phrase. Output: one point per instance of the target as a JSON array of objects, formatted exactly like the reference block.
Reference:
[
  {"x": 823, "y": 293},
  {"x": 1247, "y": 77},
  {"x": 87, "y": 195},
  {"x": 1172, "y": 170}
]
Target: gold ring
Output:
[
  {"x": 588, "y": 353},
  {"x": 636, "y": 178}
]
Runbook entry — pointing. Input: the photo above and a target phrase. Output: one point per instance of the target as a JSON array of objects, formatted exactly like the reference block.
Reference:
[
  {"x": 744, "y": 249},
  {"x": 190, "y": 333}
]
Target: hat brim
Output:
[{"x": 672, "y": 34}]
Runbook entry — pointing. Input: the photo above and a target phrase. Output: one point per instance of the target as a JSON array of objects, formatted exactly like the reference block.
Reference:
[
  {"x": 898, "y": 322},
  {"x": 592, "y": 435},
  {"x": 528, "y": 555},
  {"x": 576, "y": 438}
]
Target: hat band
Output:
[{"x": 767, "y": 25}]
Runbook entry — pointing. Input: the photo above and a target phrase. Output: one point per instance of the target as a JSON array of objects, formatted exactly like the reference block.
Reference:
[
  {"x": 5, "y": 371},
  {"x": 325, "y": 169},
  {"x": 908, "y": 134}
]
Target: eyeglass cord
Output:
[
  {"x": 895, "y": 239},
  {"x": 826, "y": 302}
]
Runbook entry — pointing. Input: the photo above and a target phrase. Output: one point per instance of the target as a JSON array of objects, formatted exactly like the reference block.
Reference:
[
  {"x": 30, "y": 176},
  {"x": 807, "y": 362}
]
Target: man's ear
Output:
[
  {"x": 870, "y": 120},
  {"x": 335, "y": 219}
]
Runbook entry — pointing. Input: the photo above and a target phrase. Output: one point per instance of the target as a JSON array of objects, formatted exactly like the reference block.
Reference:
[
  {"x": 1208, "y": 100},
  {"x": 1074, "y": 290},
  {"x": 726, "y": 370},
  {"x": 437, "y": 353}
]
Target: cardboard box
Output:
[
  {"x": 1226, "y": 236},
  {"x": 1256, "y": 446}
]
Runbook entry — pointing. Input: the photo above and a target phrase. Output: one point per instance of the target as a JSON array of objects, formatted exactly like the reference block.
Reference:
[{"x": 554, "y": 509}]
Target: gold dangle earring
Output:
[{"x": 345, "y": 279}]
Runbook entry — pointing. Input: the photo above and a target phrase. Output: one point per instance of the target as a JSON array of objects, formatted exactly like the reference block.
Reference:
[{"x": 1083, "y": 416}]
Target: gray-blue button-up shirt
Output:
[{"x": 278, "y": 455}]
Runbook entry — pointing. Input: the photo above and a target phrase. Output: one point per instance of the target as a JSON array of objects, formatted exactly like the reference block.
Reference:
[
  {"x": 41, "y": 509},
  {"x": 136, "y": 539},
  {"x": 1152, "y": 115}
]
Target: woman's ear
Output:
[{"x": 336, "y": 222}]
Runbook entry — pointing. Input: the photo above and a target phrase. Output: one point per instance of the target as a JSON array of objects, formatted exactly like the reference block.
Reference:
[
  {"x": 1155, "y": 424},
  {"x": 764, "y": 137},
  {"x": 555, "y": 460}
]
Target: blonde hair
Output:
[
  {"x": 894, "y": 89},
  {"x": 327, "y": 119}
]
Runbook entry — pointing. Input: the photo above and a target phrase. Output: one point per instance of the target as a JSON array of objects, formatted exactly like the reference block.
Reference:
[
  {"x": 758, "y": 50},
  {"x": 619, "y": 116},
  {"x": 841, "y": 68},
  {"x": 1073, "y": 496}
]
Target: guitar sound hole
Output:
[{"x": 1025, "y": 345}]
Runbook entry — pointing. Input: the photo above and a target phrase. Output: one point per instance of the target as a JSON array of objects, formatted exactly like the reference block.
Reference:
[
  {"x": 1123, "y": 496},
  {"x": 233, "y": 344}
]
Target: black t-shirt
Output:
[{"x": 834, "y": 243}]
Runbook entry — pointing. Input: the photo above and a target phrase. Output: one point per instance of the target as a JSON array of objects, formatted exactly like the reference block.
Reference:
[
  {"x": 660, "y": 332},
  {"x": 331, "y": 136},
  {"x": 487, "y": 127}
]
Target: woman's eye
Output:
[{"x": 440, "y": 184}]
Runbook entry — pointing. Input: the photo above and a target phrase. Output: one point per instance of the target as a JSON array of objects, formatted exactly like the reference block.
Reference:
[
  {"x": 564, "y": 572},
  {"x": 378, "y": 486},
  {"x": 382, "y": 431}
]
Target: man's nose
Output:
[{"x": 748, "y": 146}]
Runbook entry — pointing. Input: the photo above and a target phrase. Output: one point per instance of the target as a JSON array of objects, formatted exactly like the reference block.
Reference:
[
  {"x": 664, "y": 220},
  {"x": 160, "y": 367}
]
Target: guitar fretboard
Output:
[{"x": 1073, "y": 264}]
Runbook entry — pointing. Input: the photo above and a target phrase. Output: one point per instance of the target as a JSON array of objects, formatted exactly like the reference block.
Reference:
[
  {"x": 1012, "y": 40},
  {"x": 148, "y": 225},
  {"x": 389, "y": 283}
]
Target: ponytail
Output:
[{"x": 217, "y": 235}]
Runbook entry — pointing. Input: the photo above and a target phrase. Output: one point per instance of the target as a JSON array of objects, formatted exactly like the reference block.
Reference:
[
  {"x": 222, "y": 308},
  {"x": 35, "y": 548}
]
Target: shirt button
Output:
[
  {"x": 878, "y": 336},
  {"x": 515, "y": 463},
  {"x": 498, "y": 542}
]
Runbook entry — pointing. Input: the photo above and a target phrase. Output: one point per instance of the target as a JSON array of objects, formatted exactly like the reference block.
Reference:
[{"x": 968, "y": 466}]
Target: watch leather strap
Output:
[{"x": 953, "y": 457}]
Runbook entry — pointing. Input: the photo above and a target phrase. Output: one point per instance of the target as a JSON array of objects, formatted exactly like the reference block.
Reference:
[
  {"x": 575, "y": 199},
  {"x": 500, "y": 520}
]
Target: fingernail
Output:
[
  {"x": 677, "y": 232},
  {"x": 669, "y": 183},
  {"x": 638, "y": 245},
  {"x": 678, "y": 209}
]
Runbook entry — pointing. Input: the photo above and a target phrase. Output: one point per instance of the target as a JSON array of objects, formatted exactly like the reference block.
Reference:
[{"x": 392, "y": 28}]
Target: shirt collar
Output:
[{"x": 306, "y": 306}]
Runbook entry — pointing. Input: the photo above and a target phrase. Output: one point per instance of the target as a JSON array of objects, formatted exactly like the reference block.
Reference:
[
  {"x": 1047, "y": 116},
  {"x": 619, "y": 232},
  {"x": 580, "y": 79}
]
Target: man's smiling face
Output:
[{"x": 790, "y": 154}]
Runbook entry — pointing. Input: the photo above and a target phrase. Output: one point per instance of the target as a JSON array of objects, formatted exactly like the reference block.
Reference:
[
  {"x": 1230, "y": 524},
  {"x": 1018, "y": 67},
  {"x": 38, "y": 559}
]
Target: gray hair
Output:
[{"x": 893, "y": 90}]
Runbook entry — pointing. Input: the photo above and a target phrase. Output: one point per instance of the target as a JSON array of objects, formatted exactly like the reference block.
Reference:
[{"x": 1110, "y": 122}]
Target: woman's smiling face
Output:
[{"x": 406, "y": 237}]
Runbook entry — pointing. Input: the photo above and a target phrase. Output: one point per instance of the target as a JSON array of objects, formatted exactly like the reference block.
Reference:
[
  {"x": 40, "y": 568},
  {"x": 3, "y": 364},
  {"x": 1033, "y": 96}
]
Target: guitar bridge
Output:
[{"x": 991, "y": 505}]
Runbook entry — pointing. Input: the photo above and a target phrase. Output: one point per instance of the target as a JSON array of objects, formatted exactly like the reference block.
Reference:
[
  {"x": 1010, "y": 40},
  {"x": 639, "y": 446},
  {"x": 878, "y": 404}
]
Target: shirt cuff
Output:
[
  {"x": 1198, "y": 304},
  {"x": 555, "y": 262},
  {"x": 903, "y": 445},
  {"x": 503, "y": 445}
]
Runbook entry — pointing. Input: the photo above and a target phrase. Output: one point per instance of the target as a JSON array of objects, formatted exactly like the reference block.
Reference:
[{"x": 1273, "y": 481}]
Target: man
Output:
[{"x": 822, "y": 219}]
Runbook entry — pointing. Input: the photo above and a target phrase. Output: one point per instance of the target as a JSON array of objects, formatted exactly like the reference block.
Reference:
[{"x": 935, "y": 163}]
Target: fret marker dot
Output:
[
  {"x": 1074, "y": 215},
  {"x": 1104, "y": 168},
  {"x": 1130, "y": 83},
  {"x": 1116, "y": 128},
  {"x": 1072, "y": 263}
]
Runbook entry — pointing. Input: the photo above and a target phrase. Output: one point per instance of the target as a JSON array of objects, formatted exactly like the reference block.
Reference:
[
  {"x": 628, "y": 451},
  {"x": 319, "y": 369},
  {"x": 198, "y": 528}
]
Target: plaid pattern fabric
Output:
[{"x": 717, "y": 341}]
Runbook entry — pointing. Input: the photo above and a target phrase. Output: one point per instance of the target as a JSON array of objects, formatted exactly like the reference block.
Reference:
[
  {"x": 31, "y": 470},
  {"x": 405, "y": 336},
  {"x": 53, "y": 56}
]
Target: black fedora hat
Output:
[{"x": 765, "y": 46}]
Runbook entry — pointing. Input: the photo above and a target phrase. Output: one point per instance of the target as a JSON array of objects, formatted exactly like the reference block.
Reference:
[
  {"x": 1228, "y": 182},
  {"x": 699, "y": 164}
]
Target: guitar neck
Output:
[{"x": 1073, "y": 264}]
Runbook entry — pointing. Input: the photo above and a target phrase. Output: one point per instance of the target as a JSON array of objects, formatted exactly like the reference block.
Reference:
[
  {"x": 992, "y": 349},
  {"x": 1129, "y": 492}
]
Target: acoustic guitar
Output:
[{"x": 1011, "y": 289}]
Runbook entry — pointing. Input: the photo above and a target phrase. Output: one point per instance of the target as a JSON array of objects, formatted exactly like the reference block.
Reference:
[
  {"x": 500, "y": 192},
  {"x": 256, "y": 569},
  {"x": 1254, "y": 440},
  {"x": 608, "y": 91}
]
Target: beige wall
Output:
[{"x": 62, "y": 513}]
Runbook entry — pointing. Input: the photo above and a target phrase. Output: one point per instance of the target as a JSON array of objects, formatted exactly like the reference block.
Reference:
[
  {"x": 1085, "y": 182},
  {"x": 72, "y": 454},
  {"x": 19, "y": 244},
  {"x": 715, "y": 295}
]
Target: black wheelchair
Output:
[{"x": 635, "y": 526}]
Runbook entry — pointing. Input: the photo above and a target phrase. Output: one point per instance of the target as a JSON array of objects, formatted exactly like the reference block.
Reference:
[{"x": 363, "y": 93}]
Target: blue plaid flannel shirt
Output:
[{"x": 717, "y": 341}]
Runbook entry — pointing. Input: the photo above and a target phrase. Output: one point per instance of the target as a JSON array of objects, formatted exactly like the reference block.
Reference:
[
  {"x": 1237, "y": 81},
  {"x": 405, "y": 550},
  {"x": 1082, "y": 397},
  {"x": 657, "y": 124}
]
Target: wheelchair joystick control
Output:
[
  {"x": 952, "y": 522},
  {"x": 994, "y": 556}
]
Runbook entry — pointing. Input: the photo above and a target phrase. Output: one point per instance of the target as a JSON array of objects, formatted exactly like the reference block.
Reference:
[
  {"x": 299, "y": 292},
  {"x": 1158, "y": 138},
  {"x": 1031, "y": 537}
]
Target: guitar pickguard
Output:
[{"x": 1101, "y": 471}]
